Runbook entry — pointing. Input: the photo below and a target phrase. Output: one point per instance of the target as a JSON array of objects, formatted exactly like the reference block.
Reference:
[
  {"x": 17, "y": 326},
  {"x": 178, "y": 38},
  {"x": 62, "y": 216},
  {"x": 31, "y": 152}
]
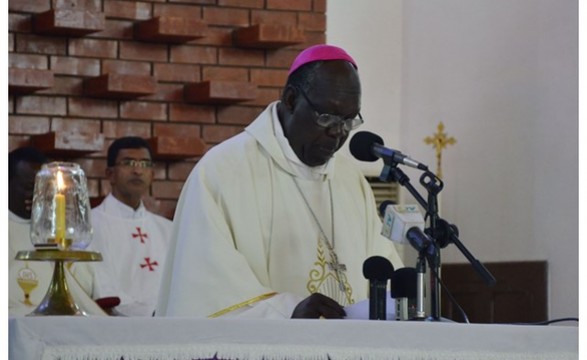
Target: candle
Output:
[{"x": 60, "y": 211}]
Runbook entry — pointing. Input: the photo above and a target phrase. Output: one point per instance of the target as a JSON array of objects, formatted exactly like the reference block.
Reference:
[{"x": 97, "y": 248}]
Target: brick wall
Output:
[{"x": 56, "y": 67}]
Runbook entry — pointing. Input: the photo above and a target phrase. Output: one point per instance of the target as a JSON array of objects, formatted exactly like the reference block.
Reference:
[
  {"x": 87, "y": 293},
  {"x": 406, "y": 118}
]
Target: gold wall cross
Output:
[{"x": 439, "y": 141}]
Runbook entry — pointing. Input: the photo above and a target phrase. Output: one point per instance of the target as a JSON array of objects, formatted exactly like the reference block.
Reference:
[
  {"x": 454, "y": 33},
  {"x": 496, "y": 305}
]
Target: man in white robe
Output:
[
  {"x": 133, "y": 241},
  {"x": 270, "y": 223},
  {"x": 28, "y": 281}
]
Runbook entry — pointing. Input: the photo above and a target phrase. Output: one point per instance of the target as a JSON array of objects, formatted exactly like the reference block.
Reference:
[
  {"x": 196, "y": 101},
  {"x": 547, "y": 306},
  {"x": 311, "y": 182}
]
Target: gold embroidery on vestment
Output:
[
  {"x": 324, "y": 280},
  {"x": 244, "y": 303}
]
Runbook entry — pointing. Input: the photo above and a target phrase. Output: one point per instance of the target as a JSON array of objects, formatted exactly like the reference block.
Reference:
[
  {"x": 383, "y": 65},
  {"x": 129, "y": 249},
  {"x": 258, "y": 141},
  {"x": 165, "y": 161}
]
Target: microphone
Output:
[
  {"x": 366, "y": 146},
  {"x": 404, "y": 290},
  {"x": 405, "y": 222},
  {"x": 378, "y": 270}
]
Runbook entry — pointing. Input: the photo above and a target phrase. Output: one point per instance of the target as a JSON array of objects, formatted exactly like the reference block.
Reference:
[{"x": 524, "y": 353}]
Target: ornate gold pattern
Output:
[
  {"x": 323, "y": 279},
  {"x": 27, "y": 280},
  {"x": 244, "y": 303}
]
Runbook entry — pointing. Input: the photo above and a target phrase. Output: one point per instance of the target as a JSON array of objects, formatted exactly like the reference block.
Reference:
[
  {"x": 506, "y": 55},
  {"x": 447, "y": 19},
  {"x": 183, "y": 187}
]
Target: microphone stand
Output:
[{"x": 441, "y": 232}]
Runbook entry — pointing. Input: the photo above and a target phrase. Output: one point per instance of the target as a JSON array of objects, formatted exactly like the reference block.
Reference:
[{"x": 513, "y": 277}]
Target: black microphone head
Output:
[
  {"x": 377, "y": 268},
  {"x": 404, "y": 283},
  {"x": 383, "y": 206},
  {"x": 361, "y": 143}
]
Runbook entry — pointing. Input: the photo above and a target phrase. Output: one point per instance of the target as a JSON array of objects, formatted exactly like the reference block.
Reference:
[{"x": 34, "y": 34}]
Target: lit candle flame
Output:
[{"x": 60, "y": 182}]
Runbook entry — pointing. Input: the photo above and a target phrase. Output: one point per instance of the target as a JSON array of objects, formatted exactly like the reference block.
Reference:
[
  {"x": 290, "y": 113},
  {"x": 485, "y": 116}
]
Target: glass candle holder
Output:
[{"x": 61, "y": 208}]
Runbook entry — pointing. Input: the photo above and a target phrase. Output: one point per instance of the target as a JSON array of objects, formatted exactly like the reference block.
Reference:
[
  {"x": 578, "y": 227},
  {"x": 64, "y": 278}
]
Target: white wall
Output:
[{"x": 502, "y": 76}]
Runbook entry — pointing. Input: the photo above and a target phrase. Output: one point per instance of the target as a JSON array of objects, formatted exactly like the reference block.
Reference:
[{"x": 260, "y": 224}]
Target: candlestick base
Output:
[{"x": 58, "y": 299}]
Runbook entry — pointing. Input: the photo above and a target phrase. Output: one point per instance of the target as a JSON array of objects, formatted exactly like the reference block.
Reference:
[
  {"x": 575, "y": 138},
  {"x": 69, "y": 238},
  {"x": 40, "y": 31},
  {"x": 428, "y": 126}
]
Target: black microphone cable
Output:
[{"x": 452, "y": 299}]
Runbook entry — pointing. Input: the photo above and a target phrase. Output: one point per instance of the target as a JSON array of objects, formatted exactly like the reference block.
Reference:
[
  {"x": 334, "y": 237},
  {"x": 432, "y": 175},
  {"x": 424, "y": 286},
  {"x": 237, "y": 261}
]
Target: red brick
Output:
[
  {"x": 28, "y": 124},
  {"x": 192, "y": 113},
  {"x": 68, "y": 144},
  {"x": 185, "y": 11},
  {"x": 268, "y": 36},
  {"x": 116, "y": 129},
  {"x": 41, "y": 105},
  {"x": 176, "y": 130},
  {"x": 116, "y": 29},
  {"x": 93, "y": 48},
  {"x": 16, "y": 141},
  {"x": 170, "y": 29},
  {"x": 41, "y": 44},
  {"x": 91, "y": 5},
  {"x": 93, "y": 108},
  {"x": 320, "y": 6},
  {"x": 219, "y": 92},
  {"x": 281, "y": 58},
  {"x": 215, "y": 36},
  {"x": 177, "y": 72},
  {"x": 217, "y": 133},
  {"x": 193, "y": 54},
  {"x": 225, "y": 73},
  {"x": 267, "y": 77},
  {"x": 180, "y": 170},
  {"x": 238, "y": 115},
  {"x": 20, "y": 23},
  {"x": 226, "y": 16},
  {"x": 312, "y": 38},
  {"x": 65, "y": 85},
  {"x": 274, "y": 17},
  {"x": 254, "y": 4},
  {"x": 159, "y": 170},
  {"x": 126, "y": 67},
  {"x": 131, "y": 10},
  {"x": 312, "y": 21},
  {"x": 75, "y": 125},
  {"x": 303, "y": 5},
  {"x": 75, "y": 66},
  {"x": 104, "y": 186},
  {"x": 202, "y": 2},
  {"x": 68, "y": 22},
  {"x": 166, "y": 208},
  {"x": 264, "y": 96},
  {"x": 27, "y": 61},
  {"x": 93, "y": 187},
  {"x": 167, "y": 189},
  {"x": 231, "y": 56},
  {"x": 93, "y": 167},
  {"x": 140, "y": 110},
  {"x": 33, "y": 6},
  {"x": 143, "y": 51},
  {"x": 120, "y": 86},
  {"x": 167, "y": 92}
]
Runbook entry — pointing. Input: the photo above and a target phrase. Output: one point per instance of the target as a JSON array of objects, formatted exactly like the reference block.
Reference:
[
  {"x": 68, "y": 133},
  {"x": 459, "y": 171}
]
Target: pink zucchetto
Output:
[{"x": 319, "y": 53}]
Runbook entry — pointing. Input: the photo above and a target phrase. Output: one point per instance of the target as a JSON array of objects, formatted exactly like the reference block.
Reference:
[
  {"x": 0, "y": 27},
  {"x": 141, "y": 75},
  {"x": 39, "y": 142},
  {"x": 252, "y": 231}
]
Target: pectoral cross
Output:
[
  {"x": 338, "y": 268},
  {"x": 439, "y": 141}
]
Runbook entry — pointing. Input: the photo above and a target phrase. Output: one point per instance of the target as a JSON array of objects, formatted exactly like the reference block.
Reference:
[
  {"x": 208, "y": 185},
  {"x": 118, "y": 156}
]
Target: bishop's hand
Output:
[{"x": 316, "y": 306}]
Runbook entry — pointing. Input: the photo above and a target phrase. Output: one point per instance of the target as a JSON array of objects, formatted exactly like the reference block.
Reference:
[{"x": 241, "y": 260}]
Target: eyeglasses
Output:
[
  {"x": 135, "y": 163},
  {"x": 330, "y": 120}
]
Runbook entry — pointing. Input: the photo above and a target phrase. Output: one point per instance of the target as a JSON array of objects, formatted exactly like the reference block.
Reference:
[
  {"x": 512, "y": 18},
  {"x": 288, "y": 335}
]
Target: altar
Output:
[{"x": 116, "y": 338}]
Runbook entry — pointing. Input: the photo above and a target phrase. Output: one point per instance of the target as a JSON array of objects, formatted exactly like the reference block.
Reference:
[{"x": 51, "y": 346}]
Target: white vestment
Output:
[
  {"x": 133, "y": 244},
  {"x": 28, "y": 281},
  {"x": 250, "y": 227}
]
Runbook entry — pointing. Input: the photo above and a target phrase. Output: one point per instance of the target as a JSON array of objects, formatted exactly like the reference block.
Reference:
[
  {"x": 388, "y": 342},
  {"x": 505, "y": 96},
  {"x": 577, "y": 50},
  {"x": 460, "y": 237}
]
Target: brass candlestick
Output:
[
  {"x": 58, "y": 300},
  {"x": 60, "y": 230}
]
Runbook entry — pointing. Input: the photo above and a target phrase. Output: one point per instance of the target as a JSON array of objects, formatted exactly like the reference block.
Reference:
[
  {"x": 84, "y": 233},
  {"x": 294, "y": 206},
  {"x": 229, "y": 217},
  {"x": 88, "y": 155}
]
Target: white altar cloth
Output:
[{"x": 96, "y": 338}]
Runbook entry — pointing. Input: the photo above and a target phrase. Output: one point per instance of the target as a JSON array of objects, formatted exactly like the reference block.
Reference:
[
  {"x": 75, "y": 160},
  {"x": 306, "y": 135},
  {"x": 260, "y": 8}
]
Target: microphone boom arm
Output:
[{"x": 440, "y": 231}]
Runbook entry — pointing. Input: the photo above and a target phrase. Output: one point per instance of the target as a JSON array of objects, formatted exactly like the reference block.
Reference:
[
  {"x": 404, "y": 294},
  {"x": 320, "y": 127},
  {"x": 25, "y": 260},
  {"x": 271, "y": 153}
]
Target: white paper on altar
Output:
[{"x": 360, "y": 310}]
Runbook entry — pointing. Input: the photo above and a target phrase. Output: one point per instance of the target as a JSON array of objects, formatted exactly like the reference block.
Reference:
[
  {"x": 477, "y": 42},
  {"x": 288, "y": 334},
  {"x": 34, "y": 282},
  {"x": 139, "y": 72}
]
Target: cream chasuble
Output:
[
  {"x": 245, "y": 242},
  {"x": 133, "y": 245}
]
